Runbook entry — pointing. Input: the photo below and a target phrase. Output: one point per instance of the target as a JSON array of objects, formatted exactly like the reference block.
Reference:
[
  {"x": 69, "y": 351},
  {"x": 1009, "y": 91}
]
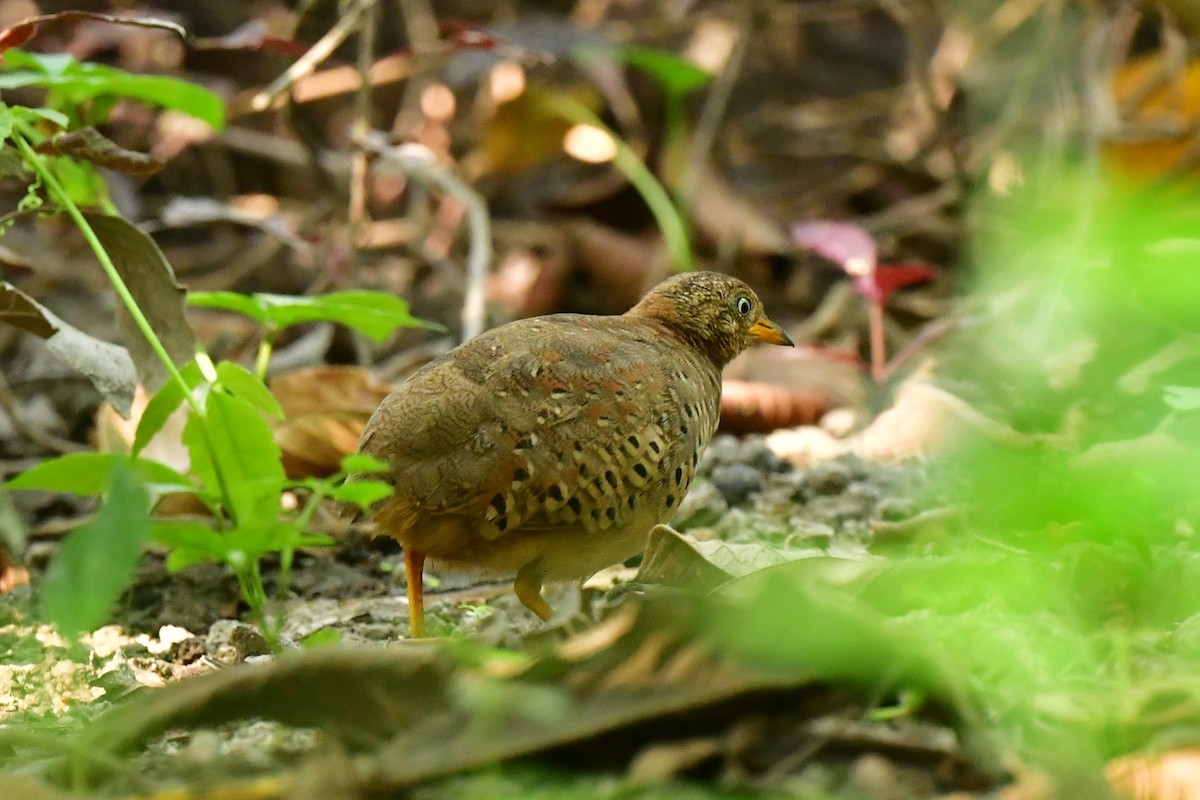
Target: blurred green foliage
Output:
[{"x": 1059, "y": 620}]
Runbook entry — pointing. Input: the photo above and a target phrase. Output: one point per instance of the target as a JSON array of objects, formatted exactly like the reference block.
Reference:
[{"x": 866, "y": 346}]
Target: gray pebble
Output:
[
  {"x": 737, "y": 482},
  {"x": 701, "y": 506},
  {"x": 829, "y": 478}
]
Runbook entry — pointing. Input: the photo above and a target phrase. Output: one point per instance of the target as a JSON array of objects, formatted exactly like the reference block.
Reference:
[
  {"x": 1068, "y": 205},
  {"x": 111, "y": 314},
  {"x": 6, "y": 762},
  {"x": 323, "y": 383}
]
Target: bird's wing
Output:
[{"x": 545, "y": 422}]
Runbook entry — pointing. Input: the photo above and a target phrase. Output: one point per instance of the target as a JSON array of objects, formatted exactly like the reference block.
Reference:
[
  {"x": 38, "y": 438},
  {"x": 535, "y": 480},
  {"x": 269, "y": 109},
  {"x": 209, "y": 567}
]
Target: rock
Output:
[
  {"x": 756, "y": 453},
  {"x": 231, "y": 642},
  {"x": 830, "y": 478},
  {"x": 737, "y": 482},
  {"x": 701, "y": 507}
]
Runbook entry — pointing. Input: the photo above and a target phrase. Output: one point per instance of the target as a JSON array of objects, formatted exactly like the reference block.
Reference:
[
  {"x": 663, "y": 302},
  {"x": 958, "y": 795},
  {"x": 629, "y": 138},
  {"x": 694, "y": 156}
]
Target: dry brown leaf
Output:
[
  {"x": 115, "y": 434},
  {"x": 12, "y": 575},
  {"x": 751, "y": 407},
  {"x": 151, "y": 281},
  {"x": 328, "y": 388},
  {"x": 1169, "y": 776},
  {"x": 806, "y": 446},
  {"x": 923, "y": 417},
  {"x": 1158, "y": 135},
  {"x": 325, "y": 409},
  {"x": 531, "y": 272}
]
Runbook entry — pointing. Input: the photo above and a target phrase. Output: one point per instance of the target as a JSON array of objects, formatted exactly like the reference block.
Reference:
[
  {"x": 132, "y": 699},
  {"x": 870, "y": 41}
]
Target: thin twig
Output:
[
  {"x": 362, "y": 119},
  {"x": 308, "y": 62},
  {"x": 713, "y": 111},
  {"x": 10, "y": 406},
  {"x": 419, "y": 163},
  {"x": 919, "y": 59},
  {"x": 1015, "y": 108}
]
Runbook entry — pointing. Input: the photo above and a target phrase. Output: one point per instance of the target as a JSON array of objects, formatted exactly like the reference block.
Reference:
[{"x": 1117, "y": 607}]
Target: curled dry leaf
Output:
[
  {"x": 254, "y": 35},
  {"x": 923, "y": 417},
  {"x": 88, "y": 144},
  {"x": 751, "y": 407},
  {"x": 106, "y": 365},
  {"x": 151, "y": 281},
  {"x": 325, "y": 409},
  {"x": 16, "y": 35}
]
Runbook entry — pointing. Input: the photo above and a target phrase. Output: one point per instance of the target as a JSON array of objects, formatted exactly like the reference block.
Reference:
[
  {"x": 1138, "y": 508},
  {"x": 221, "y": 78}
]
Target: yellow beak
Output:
[{"x": 766, "y": 331}]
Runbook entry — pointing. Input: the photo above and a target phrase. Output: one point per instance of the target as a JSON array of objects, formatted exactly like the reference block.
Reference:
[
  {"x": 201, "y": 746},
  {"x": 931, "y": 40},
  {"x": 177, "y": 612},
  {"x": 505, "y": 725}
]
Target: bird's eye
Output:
[{"x": 744, "y": 306}]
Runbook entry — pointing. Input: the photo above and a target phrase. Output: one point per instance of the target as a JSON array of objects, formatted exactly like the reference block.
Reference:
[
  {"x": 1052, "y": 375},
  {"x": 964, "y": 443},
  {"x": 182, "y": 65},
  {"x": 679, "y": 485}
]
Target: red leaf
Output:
[
  {"x": 890, "y": 278},
  {"x": 17, "y": 35},
  {"x": 843, "y": 243},
  {"x": 23, "y": 31}
]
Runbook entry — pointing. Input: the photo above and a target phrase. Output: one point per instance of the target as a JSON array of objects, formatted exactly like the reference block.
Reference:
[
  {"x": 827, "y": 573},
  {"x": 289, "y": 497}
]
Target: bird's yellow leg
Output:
[
  {"x": 414, "y": 573},
  {"x": 528, "y": 587}
]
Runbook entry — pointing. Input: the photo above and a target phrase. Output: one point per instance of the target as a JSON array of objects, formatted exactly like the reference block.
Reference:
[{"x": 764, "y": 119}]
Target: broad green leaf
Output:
[
  {"x": 1182, "y": 398},
  {"x": 79, "y": 82},
  {"x": 361, "y": 462},
  {"x": 96, "y": 562},
  {"x": 159, "y": 90},
  {"x": 241, "y": 382},
  {"x": 7, "y": 120},
  {"x": 42, "y": 63},
  {"x": 250, "y": 542},
  {"x": 374, "y": 314},
  {"x": 676, "y": 74},
  {"x": 163, "y": 404},
  {"x": 321, "y": 638},
  {"x": 190, "y": 542},
  {"x": 361, "y": 493},
  {"x": 90, "y": 473},
  {"x": 49, "y": 114},
  {"x": 240, "y": 441},
  {"x": 230, "y": 301}
]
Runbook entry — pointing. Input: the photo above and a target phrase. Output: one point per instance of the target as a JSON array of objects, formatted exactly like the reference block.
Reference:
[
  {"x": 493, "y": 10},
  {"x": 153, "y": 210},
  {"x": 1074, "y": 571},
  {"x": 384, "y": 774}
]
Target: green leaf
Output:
[
  {"x": 163, "y": 404},
  {"x": 96, "y": 562},
  {"x": 190, "y": 542},
  {"x": 244, "y": 384},
  {"x": 41, "y": 63},
  {"x": 676, "y": 74},
  {"x": 323, "y": 637},
  {"x": 1182, "y": 398},
  {"x": 33, "y": 114},
  {"x": 8, "y": 119},
  {"x": 81, "y": 82},
  {"x": 363, "y": 494},
  {"x": 90, "y": 473},
  {"x": 240, "y": 441},
  {"x": 374, "y": 314},
  {"x": 356, "y": 463},
  {"x": 230, "y": 301},
  {"x": 250, "y": 542}
]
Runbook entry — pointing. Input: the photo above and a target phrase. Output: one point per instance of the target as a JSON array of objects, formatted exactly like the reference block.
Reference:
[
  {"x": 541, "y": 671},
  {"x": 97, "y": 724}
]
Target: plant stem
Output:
[
  {"x": 669, "y": 220},
  {"x": 34, "y": 161},
  {"x": 263, "y": 360},
  {"x": 878, "y": 342},
  {"x": 64, "y": 200}
]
